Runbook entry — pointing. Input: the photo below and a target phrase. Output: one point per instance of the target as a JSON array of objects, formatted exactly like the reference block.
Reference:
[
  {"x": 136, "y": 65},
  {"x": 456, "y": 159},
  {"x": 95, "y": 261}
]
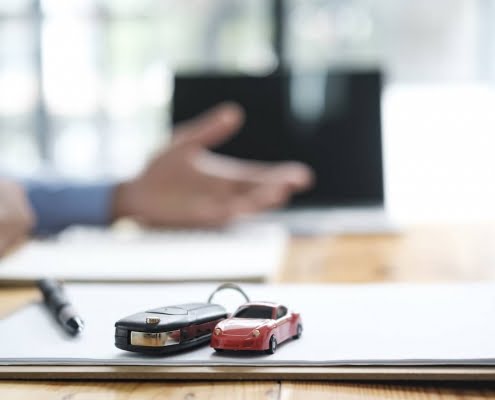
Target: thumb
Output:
[{"x": 211, "y": 128}]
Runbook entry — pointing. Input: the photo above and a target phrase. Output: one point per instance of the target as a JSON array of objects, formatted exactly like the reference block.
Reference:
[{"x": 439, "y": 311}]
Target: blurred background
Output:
[{"x": 86, "y": 86}]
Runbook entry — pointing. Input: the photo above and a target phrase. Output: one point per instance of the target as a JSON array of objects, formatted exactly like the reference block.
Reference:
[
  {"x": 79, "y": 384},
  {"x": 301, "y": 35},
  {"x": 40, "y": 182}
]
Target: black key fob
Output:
[{"x": 168, "y": 329}]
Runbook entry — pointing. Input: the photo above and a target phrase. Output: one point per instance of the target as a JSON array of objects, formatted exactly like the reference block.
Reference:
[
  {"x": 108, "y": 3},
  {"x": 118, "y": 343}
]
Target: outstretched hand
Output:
[
  {"x": 186, "y": 185},
  {"x": 16, "y": 215}
]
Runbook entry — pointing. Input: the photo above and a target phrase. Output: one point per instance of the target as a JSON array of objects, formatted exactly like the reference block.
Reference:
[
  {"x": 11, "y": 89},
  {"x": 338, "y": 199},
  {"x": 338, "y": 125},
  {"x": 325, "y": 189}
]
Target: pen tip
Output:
[{"x": 76, "y": 325}]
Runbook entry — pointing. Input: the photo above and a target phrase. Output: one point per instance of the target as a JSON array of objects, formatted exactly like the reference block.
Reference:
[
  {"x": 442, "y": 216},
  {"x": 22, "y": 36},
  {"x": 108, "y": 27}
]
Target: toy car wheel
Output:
[
  {"x": 272, "y": 346},
  {"x": 218, "y": 350},
  {"x": 298, "y": 332}
]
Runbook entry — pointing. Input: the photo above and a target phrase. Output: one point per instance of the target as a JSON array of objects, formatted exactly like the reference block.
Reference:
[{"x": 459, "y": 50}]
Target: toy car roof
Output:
[{"x": 260, "y": 304}]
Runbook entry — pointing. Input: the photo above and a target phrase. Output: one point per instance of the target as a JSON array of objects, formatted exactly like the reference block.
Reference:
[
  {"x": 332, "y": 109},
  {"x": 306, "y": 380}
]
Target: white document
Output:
[
  {"x": 343, "y": 325},
  {"x": 244, "y": 251}
]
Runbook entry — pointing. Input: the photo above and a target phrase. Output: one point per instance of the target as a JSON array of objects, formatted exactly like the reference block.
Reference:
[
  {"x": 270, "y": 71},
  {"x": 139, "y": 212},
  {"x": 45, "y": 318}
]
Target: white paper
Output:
[
  {"x": 343, "y": 325},
  {"x": 241, "y": 252}
]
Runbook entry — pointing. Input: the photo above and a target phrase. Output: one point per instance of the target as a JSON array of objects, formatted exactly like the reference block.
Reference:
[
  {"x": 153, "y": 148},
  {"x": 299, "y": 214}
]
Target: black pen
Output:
[{"x": 60, "y": 306}]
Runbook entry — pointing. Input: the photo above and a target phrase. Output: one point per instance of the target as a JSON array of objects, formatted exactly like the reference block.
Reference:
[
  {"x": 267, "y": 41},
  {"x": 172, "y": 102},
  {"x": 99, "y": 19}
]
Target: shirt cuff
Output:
[{"x": 58, "y": 206}]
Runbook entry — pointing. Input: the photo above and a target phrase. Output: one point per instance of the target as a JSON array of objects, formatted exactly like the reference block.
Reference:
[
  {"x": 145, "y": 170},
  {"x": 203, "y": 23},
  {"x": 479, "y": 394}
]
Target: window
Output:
[
  {"x": 281, "y": 312},
  {"x": 85, "y": 85},
  {"x": 419, "y": 41}
]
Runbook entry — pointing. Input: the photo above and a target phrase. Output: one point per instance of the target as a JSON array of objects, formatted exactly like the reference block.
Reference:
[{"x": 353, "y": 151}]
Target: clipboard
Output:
[
  {"x": 174, "y": 373},
  {"x": 377, "y": 332}
]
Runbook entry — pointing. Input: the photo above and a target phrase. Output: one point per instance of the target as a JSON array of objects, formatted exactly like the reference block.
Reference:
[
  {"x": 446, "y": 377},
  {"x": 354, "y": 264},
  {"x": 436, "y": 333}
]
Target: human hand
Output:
[
  {"x": 186, "y": 185},
  {"x": 16, "y": 216}
]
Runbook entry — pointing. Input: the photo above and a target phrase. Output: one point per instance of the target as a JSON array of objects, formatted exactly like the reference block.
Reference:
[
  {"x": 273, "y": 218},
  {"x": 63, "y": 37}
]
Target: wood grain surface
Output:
[
  {"x": 239, "y": 390},
  {"x": 352, "y": 391},
  {"x": 422, "y": 254},
  {"x": 140, "y": 390}
]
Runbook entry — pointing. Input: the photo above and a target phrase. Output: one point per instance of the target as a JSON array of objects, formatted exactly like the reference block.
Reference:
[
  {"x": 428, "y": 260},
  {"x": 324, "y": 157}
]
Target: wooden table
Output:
[{"x": 422, "y": 254}]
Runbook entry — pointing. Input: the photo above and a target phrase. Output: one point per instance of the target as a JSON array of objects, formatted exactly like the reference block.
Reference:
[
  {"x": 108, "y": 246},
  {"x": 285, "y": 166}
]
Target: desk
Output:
[{"x": 423, "y": 254}]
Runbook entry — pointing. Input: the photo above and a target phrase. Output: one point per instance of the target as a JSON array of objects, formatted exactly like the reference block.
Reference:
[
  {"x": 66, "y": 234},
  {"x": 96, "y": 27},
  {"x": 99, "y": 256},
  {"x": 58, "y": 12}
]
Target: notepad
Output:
[
  {"x": 242, "y": 251},
  {"x": 344, "y": 325}
]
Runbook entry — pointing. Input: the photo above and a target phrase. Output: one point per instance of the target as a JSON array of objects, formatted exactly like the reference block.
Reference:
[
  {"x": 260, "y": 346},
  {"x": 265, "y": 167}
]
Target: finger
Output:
[
  {"x": 232, "y": 207},
  {"x": 201, "y": 213},
  {"x": 212, "y": 127},
  {"x": 217, "y": 213},
  {"x": 258, "y": 200},
  {"x": 294, "y": 175},
  {"x": 244, "y": 174},
  {"x": 10, "y": 238},
  {"x": 209, "y": 216},
  {"x": 269, "y": 197},
  {"x": 3, "y": 248}
]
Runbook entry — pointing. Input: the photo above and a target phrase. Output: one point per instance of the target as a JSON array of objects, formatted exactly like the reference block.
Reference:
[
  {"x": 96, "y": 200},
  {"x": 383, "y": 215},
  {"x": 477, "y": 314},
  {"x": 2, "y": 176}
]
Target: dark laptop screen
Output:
[{"x": 328, "y": 120}]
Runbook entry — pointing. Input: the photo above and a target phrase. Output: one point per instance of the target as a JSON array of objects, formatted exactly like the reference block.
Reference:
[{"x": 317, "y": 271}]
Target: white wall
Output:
[{"x": 440, "y": 152}]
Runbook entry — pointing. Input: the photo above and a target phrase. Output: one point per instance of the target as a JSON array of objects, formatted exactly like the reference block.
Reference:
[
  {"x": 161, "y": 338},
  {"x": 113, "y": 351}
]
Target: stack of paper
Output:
[
  {"x": 378, "y": 325},
  {"x": 247, "y": 251}
]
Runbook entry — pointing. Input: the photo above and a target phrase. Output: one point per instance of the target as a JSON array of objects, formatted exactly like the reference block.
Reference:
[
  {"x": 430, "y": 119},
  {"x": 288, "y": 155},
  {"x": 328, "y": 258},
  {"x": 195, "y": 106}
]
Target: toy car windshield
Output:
[{"x": 255, "y": 312}]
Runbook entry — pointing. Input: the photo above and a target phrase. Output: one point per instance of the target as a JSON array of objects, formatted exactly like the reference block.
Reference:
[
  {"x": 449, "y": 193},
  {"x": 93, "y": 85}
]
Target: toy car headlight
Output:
[
  {"x": 217, "y": 331},
  {"x": 255, "y": 333}
]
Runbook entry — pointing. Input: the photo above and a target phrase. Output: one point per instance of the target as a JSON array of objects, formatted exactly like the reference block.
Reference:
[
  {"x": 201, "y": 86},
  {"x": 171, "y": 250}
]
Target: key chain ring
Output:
[{"x": 228, "y": 285}]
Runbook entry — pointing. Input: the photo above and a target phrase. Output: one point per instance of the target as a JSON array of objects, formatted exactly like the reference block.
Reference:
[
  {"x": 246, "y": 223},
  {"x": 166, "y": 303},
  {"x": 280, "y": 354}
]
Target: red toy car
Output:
[{"x": 259, "y": 326}]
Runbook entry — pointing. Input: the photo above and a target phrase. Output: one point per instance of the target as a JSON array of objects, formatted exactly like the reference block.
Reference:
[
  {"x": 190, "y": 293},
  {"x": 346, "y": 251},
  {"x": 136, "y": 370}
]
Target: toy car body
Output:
[
  {"x": 259, "y": 326},
  {"x": 168, "y": 329}
]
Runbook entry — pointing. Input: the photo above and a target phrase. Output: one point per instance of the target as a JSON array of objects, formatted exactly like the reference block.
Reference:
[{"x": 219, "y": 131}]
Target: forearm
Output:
[{"x": 59, "y": 205}]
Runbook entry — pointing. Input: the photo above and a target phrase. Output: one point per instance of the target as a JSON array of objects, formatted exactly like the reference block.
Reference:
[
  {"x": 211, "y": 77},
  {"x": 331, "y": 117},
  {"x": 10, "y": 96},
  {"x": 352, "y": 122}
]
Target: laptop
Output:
[{"x": 330, "y": 120}]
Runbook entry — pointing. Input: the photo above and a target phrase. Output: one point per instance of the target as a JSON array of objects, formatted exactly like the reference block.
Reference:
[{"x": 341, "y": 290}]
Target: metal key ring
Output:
[{"x": 228, "y": 285}]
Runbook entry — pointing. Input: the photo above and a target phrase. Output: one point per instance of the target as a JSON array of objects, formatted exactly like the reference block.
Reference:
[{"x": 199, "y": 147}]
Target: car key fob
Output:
[{"x": 168, "y": 329}]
